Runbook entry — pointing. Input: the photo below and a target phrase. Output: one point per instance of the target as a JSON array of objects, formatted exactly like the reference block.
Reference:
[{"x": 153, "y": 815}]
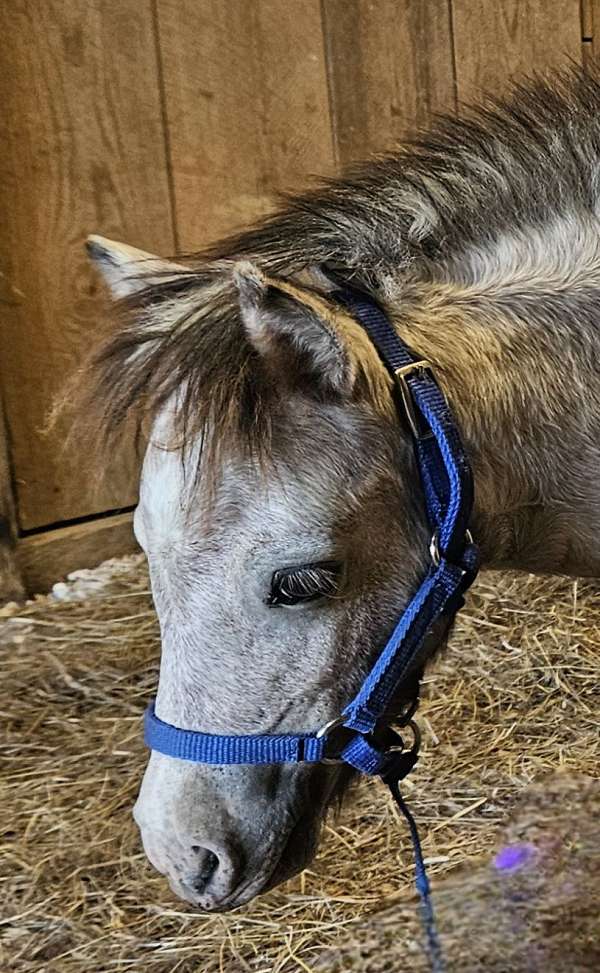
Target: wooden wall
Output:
[{"x": 167, "y": 123}]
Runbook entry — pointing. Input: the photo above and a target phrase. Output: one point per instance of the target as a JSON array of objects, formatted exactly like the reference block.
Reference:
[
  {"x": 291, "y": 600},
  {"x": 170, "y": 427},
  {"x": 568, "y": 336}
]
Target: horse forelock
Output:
[{"x": 456, "y": 203}]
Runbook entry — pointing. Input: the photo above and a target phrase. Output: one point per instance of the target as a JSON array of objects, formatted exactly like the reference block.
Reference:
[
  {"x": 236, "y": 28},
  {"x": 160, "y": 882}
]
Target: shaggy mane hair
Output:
[{"x": 508, "y": 165}]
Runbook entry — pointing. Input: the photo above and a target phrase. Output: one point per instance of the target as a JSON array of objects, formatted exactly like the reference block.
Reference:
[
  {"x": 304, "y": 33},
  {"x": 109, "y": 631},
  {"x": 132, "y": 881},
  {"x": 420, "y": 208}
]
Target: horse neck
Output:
[{"x": 526, "y": 397}]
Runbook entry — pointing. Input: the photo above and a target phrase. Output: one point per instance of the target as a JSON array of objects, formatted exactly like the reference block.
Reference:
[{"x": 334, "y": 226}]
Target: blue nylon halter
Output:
[{"x": 448, "y": 489}]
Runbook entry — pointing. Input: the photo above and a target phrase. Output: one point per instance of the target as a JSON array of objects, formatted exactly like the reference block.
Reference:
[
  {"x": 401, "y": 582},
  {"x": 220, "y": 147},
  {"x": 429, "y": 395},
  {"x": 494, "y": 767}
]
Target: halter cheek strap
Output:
[{"x": 355, "y": 736}]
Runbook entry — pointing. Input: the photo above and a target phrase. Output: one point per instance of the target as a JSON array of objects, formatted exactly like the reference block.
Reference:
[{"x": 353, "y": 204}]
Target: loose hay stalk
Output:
[{"x": 515, "y": 697}]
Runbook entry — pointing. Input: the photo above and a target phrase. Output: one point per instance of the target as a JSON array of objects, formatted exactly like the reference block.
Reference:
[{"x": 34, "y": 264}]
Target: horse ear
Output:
[
  {"x": 295, "y": 330},
  {"x": 126, "y": 269}
]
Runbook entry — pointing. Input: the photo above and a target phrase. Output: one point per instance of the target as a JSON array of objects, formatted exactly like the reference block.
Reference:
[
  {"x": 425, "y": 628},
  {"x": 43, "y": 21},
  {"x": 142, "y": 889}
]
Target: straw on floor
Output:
[{"x": 515, "y": 698}]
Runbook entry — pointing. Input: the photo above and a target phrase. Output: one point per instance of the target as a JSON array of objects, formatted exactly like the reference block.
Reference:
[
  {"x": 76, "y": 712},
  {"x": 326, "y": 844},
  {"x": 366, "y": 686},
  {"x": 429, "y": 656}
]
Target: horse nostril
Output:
[{"x": 208, "y": 866}]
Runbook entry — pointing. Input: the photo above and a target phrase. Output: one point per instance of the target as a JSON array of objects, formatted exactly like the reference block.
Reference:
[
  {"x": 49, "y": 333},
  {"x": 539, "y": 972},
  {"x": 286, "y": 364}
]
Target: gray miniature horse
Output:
[{"x": 280, "y": 507}]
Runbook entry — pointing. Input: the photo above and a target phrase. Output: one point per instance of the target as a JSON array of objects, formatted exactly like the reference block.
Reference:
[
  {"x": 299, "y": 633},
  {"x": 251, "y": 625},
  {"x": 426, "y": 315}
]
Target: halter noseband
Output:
[{"x": 361, "y": 736}]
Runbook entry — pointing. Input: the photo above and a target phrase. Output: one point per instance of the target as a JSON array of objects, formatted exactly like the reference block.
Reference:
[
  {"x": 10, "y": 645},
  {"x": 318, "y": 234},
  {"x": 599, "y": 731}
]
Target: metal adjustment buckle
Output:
[
  {"x": 434, "y": 547},
  {"x": 401, "y": 374}
]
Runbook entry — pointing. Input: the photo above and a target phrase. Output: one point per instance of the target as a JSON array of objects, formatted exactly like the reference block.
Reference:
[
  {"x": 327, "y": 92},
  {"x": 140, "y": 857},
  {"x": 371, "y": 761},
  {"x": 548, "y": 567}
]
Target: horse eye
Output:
[{"x": 304, "y": 582}]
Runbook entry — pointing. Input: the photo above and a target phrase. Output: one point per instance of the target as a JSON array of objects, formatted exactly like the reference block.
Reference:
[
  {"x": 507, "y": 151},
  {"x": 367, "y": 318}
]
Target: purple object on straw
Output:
[{"x": 513, "y": 857}]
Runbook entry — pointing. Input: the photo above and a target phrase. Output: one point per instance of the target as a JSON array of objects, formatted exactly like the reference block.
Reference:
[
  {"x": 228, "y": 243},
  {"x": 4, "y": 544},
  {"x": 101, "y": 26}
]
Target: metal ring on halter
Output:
[
  {"x": 402, "y": 723},
  {"x": 400, "y": 747},
  {"x": 404, "y": 718},
  {"x": 434, "y": 546},
  {"x": 328, "y": 727},
  {"x": 416, "y": 731},
  {"x": 324, "y": 732},
  {"x": 400, "y": 760}
]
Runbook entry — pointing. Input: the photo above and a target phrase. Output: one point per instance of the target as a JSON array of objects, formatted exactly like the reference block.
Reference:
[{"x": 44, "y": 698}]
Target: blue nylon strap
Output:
[
  {"x": 361, "y": 754},
  {"x": 433, "y": 600},
  {"x": 443, "y": 464},
  {"x": 209, "y": 748},
  {"x": 448, "y": 488}
]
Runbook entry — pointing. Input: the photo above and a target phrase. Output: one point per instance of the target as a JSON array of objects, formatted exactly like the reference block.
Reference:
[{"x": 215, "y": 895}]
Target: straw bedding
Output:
[{"x": 516, "y": 698}]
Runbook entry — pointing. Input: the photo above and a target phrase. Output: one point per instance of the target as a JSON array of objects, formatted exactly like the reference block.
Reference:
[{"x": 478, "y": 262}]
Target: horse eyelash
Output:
[
  {"x": 308, "y": 581},
  {"x": 305, "y": 582}
]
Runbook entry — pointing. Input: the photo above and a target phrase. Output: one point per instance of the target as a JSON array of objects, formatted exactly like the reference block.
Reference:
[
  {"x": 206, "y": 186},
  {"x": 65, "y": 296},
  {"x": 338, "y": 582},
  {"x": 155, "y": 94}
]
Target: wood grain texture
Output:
[
  {"x": 390, "y": 66},
  {"x": 247, "y": 107},
  {"x": 11, "y": 585},
  {"x": 496, "y": 40},
  {"x": 591, "y": 28},
  {"x": 46, "y": 558},
  {"x": 587, "y": 17},
  {"x": 81, "y": 150}
]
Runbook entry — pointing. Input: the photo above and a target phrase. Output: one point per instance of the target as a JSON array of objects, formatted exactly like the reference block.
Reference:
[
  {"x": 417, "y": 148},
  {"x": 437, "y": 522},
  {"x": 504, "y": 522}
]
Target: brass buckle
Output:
[{"x": 401, "y": 374}]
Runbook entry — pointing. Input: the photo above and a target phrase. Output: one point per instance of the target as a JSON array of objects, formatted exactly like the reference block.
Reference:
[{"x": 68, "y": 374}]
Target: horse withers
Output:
[{"x": 280, "y": 507}]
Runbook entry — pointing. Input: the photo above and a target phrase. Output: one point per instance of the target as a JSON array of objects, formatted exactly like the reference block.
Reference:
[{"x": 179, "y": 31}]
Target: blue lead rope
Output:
[
  {"x": 447, "y": 484},
  {"x": 434, "y": 949}
]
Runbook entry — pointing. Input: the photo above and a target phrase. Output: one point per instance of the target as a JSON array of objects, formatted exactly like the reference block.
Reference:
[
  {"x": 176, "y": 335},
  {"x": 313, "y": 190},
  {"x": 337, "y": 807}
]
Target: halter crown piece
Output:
[{"x": 356, "y": 736}]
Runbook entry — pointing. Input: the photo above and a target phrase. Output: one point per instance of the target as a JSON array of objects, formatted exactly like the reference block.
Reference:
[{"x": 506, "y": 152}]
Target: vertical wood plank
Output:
[
  {"x": 591, "y": 29},
  {"x": 247, "y": 107},
  {"x": 390, "y": 70},
  {"x": 11, "y": 586},
  {"x": 587, "y": 31},
  {"x": 81, "y": 150},
  {"x": 587, "y": 18},
  {"x": 496, "y": 40}
]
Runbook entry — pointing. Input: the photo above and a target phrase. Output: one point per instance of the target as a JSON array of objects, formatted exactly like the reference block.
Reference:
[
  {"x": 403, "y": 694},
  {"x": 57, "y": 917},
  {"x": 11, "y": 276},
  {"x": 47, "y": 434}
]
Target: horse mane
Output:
[{"x": 507, "y": 164}]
